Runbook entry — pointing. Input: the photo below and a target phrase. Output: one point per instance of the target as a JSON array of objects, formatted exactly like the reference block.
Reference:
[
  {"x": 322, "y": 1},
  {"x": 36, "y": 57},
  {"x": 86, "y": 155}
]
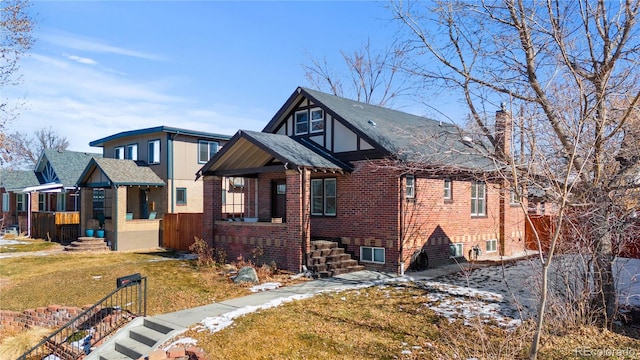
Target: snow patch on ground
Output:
[{"x": 265, "y": 287}]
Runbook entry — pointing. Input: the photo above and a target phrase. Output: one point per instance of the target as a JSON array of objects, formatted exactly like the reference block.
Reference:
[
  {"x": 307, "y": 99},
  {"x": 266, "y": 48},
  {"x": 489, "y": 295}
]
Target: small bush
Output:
[{"x": 204, "y": 252}]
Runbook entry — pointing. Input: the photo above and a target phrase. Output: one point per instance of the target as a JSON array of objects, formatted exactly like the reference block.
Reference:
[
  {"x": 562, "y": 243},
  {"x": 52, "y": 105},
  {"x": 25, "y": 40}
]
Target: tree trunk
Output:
[{"x": 605, "y": 300}]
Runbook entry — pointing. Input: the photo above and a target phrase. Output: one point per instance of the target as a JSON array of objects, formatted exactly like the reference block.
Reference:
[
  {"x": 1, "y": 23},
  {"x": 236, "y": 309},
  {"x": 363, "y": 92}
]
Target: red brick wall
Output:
[{"x": 53, "y": 316}]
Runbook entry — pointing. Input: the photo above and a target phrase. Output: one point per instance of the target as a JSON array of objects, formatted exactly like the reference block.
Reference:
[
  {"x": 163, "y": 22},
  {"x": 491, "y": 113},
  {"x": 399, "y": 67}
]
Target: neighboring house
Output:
[
  {"x": 15, "y": 206},
  {"x": 172, "y": 155},
  {"x": 394, "y": 189}
]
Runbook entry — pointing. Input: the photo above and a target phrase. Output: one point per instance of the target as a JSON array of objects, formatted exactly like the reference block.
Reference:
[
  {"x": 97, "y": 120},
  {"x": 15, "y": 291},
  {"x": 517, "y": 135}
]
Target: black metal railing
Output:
[{"x": 75, "y": 338}]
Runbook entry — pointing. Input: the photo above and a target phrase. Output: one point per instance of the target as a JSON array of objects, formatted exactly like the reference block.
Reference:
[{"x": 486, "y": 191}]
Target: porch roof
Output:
[
  {"x": 252, "y": 152},
  {"x": 117, "y": 172}
]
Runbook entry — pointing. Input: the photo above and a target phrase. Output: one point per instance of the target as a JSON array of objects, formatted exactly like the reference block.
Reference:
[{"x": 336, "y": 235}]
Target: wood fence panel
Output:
[
  {"x": 542, "y": 225},
  {"x": 43, "y": 225},
  {"x": 180, "y": 230}
]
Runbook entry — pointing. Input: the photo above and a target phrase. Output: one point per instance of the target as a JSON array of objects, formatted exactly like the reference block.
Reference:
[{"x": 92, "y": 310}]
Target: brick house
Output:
[
  {"x": 394, "y": 190},
  {"x": 13, "y": 201},
  {"x": 144, "y": 174}
]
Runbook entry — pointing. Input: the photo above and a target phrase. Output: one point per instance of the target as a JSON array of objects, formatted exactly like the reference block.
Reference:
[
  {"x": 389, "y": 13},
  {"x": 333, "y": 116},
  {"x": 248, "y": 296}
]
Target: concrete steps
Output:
[
  {"x": 88, "y": 244},
  {"x": 135, "y": 341},
  {"x": 326, "y": 259}
]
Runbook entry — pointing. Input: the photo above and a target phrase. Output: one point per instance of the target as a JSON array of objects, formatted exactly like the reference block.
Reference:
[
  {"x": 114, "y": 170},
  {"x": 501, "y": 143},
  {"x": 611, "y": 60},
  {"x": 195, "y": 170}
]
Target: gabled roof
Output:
[
  {"x": 67, "y": 165},
  {"x": 157, "y": 129},
  {"x": 15, "y": 180},
  {"x": 118, "y": 172},
  {"x": 252, "y": 151},
  {"x": 402, "y": 135}
]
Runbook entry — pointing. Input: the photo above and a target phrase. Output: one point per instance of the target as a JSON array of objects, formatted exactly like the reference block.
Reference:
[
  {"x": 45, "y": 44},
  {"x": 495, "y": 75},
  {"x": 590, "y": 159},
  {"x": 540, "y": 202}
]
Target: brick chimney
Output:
[{"x": 503, "y": 132}]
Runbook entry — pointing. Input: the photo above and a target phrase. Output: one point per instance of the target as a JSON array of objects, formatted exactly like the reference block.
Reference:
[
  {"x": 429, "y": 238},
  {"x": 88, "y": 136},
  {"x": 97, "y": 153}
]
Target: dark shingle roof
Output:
[
  {"x": 121, "y": 172},
  {"x": 68, "y": 165},
  {"x": 166, "y": 129},
  {"x": 14, "y": 180},
  {"x": 406, "y": 136}
]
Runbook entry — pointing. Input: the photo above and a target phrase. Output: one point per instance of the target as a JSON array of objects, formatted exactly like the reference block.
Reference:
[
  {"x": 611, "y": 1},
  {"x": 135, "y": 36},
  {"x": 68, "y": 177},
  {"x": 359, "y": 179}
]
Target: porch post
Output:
[
  {"x": 298, "y": 227},
  {"x": 212, "y": 207}
]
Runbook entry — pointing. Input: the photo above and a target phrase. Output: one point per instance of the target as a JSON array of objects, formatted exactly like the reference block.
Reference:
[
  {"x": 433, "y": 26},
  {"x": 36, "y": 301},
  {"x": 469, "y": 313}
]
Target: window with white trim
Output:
[
  {"x": 181, "y": 196},
  {"x": 447, "y": 189},
  {"x": 372, "y": 254},
  {"x": 317, "y": 120},
  {"x": 478, "y": 199},
  {"x": 455, "y": 249},
  {"x": 20, "y": 202},
  {"x": 153, "y": 152},
  {"x": 323, "y": 197},
  {"x": 5, "y": 202},
  {"x": 206, "y": 150},
  {"x": 301, "y": 122},
  {"x": 118, "y": 152},
  {"x": 132, "y": 152},
  {"x": 492, "y": 245},
  {"x": 410, "y": 186},
  {"x": 61, "y": 202}
]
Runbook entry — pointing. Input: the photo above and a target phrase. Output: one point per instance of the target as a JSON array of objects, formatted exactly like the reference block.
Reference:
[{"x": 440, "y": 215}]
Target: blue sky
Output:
[{"x": 98, "y": 68}]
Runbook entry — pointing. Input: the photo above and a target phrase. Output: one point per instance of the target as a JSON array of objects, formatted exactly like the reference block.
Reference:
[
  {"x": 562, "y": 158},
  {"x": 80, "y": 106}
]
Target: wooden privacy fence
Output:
[
  {"x": 179, "y": 230},
  {"x": 58, "y": 226},
  {"x": 543, "y": 226}
]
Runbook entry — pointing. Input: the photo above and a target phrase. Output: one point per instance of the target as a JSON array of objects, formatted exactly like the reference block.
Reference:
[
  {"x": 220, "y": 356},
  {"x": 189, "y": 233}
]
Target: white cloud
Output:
[{"x": 81, "y": 60}]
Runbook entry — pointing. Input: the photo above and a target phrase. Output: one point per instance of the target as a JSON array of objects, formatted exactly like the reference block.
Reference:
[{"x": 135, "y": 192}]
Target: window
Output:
[
  {"x": 372, "y": 254},
  {"x": 98, "y": 203},
  {"x": 323, "y": 197},
  {"x": 42, "y": 202},
  {"x": 61, "y": 202},
  {"x": 118, "y": 153},
  {"x": 302, "y": 122},
  {"x": 410, "y": 183},
  {"x": 455, "y": 250},
  {"x": 317, "y": 120},
  {"x": 132, "y": 152},
  {"x": 206, "y": 150},
  {"x": 514, "y": 197},
  {"x": 478, "y": 199},
  {"x": 181, "y": 196},
  {"x": 447, "y": 189},
  {"x": 5, "y": 202},
  {"x": 20, "y": 205},
  {"x": 153, "y": 152},
  {"x": 492, "y": 245}
]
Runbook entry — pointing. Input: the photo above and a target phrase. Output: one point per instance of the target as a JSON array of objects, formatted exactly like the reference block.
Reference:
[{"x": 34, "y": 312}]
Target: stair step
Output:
[
  {"x": 146, "y": 335},
  {"x": 322, "y": 244},
  {"x": 157, "y": 325},
  {"x": 114, "y": 356},
  {"x": 132, "y": 348}
]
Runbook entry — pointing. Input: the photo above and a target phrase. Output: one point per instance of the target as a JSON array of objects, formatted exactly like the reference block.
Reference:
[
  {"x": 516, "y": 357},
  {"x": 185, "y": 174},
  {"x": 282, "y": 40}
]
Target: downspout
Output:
[
  {"x": 401, "y": 232},
  {"x": 117, "y": 218},
  {"x": 305, "y": 218},
  {"x": 28, "y": 215},
  {"x": 170, "y": 169}
]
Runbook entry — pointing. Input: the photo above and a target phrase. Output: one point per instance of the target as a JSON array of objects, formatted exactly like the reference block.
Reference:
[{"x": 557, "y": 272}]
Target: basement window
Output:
[
  {"x": 372, "y": 254},
  {"x": 492, "y": 245},
  {"x": 455, "y": 250}
]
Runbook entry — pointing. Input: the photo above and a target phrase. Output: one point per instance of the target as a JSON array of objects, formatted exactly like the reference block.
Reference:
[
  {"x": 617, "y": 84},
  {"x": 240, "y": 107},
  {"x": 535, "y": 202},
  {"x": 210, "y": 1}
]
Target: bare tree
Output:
[
  {"x": 23, "y": 151},
  {"x": 16, "y": 39},
  {"x": 574, "y": 66},
  {"x": 372, "y": 76}
]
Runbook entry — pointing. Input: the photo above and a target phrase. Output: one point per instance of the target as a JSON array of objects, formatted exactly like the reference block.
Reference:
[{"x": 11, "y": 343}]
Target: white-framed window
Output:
[
  {"x": 5, "y": 202},
  {"x": 20, "y": 202},
  {"x": 301, "y": 122},
  {"x": 118, "y": 152},
  {"x": 410, "y": 186},
  {"x": 206, "y": 150},
  {"x": 153, "y": 152},
  {"x": 478, "y": 199},
  {"x": 181, "y": 196},
  {"x": 323, "y": 197},
  {"x": 372, "y": 254},
  {"x": 132, "y": 152},
  {"x": 447, "y": 189},
  {"x": 61, "y": 202},
  {"x": 492, "y": 245},
  {"x": 317, "y": 120},
  {"x": 455, "y": 249}
]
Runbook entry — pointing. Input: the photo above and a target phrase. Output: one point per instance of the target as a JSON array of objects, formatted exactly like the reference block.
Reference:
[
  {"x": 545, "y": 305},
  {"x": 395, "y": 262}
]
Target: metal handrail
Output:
[{"x": 75, "y": 338}]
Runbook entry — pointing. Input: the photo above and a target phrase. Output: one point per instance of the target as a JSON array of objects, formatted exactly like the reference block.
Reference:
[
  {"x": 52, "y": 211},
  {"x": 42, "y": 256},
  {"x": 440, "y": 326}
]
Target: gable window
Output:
[
  {"x": 478, "y": 199},
  {"x": 206, "y": 150},
  {"x": 455, "y": 249},
  {"x": 5, "y": 202},
  {"x": 132, "y": 152},
  {"x": 20, "y": 204},
  {"x": 317, "y": 120},
  {"x": 447, "y": 189},
  {"x": 372, "y": 254},
  {"x": 181, "y": 196},
  {"x": 323, "y": 197},
  {"x": 153, "y": 153},
  {"x": 410, "y": 186},
  {"x": 302, "y": 122},
  {"x": 118, "y": 152}
]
